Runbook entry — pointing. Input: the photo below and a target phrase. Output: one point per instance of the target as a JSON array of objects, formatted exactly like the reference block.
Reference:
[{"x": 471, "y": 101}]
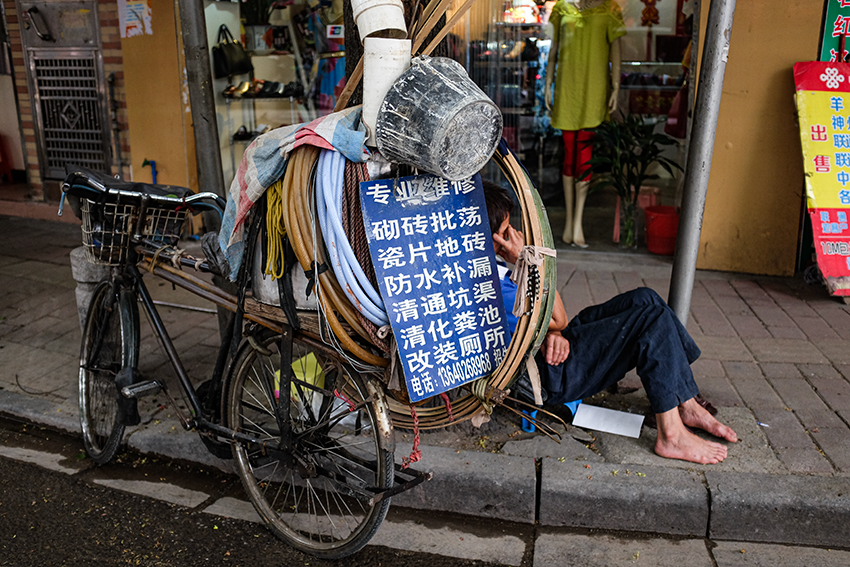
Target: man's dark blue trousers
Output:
[{"x": 636, "y": 329}]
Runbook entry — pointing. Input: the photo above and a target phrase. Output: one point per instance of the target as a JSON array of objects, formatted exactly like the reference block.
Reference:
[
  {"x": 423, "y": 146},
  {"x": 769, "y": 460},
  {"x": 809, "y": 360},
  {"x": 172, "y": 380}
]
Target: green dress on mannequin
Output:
[{"x": 584, "y": 42}]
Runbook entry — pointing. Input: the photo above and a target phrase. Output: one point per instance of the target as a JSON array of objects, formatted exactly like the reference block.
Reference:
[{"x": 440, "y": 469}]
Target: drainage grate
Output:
[{"x": 68, "y": 98}]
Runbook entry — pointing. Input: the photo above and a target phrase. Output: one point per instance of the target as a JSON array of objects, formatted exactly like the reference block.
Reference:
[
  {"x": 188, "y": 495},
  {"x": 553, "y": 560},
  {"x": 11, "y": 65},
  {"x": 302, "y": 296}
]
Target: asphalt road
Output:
[
  {"x": 48, "y": 517},
  {"x": 57, "y": 508}
]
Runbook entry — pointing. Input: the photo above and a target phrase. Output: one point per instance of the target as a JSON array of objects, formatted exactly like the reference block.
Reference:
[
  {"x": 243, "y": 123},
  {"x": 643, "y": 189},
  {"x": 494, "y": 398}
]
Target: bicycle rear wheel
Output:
[
  {"x": 110, "y": 343},
  {"x": 314, "y": 497}
]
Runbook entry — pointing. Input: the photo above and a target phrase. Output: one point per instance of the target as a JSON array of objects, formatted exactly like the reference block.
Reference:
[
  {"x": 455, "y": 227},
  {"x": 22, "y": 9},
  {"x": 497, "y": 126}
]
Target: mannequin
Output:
[{"x": 584, "y": 42}]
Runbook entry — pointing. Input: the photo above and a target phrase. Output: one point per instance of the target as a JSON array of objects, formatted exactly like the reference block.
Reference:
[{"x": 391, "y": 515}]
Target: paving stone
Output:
[
  {"x": 700, "y": 296},
  {"x": 719, "y": 391},
  {"x": 779, "y": 370},
  {"x": 705, "y": 367},
  {"x": 627, "y": 281},
  {"x": 748, "y": 326},
  {"x": 837, "y": 351},
  {"x": 818, "y": 371},
  {"x": 718, "y": 288},
  {"x": 805, "y": 510},
  {"x": 790, "y": 302},
  {"x": 835, "y": 391},
  {"x": 47, "y": 329},
  {"x": 735, "y": 554},
  {"x": 810, "y": 409},
  {"x": 726, "y": 347},
  {"x": 737, "y": 370},
  {"x": 578, "y": 550},
  {"x": 836, "y": 316},
  {"x": 68, "y": 344},
  {"x": 783, "y": 429},
  {"x": 750, "y": 290},
  {"x": 29, "y": 364},
  {"x": 784, "y": 350},
  {"x": 816, "y": 328},
  {"x": 771, "y": 314},
  {"x": 602, "y": 286},
  {"x": 804, "y": 460},
  {"x": 786, "y": 332},
  {"x": 576, "y": 294},
  {"x": 758, "y": 395},
  {"x": 711, "y": 320},
  {"x": 834, "y": 441}
]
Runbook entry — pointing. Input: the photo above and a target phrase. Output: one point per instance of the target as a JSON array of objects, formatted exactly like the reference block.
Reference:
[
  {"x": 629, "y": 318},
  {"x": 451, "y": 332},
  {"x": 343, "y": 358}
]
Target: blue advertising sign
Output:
[{"x": 431, "y": 246}]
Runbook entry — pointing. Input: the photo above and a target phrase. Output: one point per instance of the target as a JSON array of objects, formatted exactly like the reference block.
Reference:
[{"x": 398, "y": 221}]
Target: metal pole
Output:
[
  {"x": 201, "y": 97},
  {"x": 698, "y": 168}
]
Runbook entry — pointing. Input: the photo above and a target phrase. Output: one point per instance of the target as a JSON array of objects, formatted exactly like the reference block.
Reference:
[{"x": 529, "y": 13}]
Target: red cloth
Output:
[{"x": 577, "y": 152}]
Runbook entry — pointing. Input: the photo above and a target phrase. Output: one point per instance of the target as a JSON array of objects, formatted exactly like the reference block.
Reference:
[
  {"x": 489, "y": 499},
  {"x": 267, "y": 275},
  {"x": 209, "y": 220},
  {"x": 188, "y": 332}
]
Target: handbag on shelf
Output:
[{"x": 229, "y": 57}]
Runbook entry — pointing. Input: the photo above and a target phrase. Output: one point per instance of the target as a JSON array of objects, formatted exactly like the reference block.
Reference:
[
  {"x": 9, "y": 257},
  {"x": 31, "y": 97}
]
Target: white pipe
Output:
[
  {"x": 385, "y": 54},
  {"x": 384, "y": 61}
]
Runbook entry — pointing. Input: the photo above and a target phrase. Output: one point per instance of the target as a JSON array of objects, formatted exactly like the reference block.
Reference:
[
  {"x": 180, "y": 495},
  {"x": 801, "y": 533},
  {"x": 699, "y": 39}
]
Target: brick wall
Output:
[
  {"x": 25, "y": 106},
  {"x": 112, "y": 63}
]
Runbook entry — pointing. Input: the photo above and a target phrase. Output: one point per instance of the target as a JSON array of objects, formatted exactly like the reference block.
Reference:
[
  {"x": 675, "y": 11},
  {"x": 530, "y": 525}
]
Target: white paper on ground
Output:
[{"x": 608, "y": 420}]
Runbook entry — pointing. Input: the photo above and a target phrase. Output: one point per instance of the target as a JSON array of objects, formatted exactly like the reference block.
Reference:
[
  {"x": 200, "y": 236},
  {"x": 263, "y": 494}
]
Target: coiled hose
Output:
[
  {"x": 295, "y": 202},
  {"x": 349, "y": 273}
]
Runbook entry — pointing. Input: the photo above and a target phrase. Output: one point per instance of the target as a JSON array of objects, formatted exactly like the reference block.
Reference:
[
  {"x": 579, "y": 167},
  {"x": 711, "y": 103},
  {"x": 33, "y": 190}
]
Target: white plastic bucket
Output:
[
  {"x": 435, "y": 118},
  {"x": 382, "y": 17},
  {"x": 384, "y": 60}
]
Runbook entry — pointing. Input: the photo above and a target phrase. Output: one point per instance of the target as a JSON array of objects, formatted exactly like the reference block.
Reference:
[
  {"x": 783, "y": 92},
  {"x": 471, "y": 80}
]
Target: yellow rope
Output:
[{"x": 275, "y": 229}]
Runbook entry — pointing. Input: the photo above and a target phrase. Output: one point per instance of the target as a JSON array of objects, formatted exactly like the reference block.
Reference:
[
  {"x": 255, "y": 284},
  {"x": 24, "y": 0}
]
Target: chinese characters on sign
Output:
[
  {"x": 823, "y": 105},
  {"x": 431, "y": 246},
  {"x": 836, "y": 23}
]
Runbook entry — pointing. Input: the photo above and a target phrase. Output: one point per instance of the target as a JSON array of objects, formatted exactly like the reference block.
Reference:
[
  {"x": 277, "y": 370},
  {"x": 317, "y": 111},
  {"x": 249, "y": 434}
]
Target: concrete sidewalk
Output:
[{"x": 776, "y": 362}]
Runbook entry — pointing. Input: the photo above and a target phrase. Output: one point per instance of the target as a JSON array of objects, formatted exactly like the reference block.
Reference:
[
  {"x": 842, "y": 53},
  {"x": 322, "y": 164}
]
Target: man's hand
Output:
[
  {"x": 555, "y": 348},
  {"x": 509, "y": 249}
]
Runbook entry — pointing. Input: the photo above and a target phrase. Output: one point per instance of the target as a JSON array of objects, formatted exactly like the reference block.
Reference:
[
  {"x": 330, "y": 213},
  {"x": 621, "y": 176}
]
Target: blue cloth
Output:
[{"x": 508, "y": 298}]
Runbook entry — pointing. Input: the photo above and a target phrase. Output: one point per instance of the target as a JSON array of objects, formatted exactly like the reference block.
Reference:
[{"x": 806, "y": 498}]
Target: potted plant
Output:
[{"x": 623, "y": 152}]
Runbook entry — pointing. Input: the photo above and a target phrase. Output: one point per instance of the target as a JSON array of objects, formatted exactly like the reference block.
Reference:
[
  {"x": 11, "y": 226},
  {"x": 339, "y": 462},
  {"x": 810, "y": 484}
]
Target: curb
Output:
[
  {"x": 623, "y": 497},
  {"x": 783, "y": 509}
]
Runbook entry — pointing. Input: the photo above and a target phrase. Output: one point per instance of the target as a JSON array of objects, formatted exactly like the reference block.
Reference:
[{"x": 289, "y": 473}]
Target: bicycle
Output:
[{"x": 319, "y": 470}]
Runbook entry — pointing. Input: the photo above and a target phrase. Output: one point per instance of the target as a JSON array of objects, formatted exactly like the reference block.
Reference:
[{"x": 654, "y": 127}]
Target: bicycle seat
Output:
[{"x": 80, "y": 174}]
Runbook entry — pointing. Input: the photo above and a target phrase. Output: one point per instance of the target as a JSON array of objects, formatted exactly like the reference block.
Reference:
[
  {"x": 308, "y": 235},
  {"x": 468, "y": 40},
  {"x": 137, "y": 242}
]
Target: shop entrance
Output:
[{"x": 68, "y": 90}]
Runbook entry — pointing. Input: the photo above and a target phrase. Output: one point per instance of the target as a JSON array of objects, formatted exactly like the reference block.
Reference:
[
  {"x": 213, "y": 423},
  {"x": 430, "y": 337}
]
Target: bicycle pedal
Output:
[{"x": 142, "y": 389}]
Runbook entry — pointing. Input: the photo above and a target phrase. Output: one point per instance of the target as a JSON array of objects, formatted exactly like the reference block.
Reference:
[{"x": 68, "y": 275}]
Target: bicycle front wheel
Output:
[
  {"x": 110, "y": 342},
  {"x": 316, "y": 495}
]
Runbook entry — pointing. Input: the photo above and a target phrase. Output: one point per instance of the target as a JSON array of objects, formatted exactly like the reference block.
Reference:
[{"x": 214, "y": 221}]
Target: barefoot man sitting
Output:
[{"x": 594, "y": 350}]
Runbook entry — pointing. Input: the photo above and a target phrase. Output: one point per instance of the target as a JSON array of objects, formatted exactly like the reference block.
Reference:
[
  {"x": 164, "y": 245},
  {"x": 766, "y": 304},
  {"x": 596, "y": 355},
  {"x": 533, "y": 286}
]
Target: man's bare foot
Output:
[
  {"x": 676, "y": 442},
  {"x": 688, "y": 447},
  {"x": 694, "y": 415}
]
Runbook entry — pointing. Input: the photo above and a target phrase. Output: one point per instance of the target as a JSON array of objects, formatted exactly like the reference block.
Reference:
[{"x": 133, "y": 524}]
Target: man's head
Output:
[
  {"x": 499, "y": 205},
  {"x": 506, "y": 240}
]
